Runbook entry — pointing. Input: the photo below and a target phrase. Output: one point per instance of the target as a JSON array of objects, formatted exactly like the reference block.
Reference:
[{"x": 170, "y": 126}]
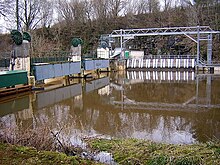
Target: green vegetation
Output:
[
  {"x": 125, "y": 151},
  {"x": 12, "y": 154},
  {"x": 132, "y": 151}
]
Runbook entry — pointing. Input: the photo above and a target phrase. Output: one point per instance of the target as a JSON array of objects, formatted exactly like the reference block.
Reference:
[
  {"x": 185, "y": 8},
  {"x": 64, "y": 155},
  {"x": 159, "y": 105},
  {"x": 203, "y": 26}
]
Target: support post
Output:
[
  {"x": 209, "y": 50},
  {"x": 198, "y": 46},
  {"x": 121, "y": 43}
]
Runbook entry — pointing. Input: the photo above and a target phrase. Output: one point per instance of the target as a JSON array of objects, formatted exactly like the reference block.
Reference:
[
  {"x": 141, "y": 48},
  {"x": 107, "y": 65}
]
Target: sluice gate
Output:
[
  {"x": 161, "y": 63},
  {"x": 44, "y": 71}
]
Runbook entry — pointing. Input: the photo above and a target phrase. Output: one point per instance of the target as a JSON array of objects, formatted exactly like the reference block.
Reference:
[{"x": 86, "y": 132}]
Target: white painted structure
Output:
[
  {"x": 103, "y": 53},
  {"x": 161, "y": 63},
  {"x": 136, "y": 54}
]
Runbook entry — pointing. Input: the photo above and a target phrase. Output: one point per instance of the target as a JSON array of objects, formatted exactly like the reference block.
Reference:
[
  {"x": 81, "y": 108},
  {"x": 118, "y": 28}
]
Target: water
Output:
[{"x": 170, "y": 107}]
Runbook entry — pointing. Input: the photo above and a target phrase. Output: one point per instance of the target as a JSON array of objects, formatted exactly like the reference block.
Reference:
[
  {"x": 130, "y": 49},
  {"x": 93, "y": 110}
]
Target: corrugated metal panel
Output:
[
  {"x": 96, "y": 64},
  {"x": 58, "y": 70},
  {"x": 75, "y": 67},
  {"x": 46, "y": 71},
  {"x": 52, "y": 97},
  {"x": 38, "y": 72},
  {"x": 89, "y": 65},
  {"x": 105, "y": 63},
  {"x": 66, "y": 69}
]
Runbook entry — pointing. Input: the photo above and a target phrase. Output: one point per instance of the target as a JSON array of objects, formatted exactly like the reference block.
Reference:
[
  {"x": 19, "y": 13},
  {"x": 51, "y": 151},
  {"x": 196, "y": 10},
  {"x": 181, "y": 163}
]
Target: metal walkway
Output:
[
  {"x": 195, "y": 33},
  {"x": 129, "y": 33}
]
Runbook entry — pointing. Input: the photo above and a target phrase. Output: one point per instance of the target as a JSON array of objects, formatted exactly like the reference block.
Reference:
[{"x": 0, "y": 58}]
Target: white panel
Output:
[
  {"x": 193, "y": 63},
  {"x": 128, "y": 63},
  {"x": 171, "y": 63}
]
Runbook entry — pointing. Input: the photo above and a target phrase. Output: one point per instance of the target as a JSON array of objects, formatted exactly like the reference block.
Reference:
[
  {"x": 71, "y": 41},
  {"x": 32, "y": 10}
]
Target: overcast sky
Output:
[{"x": 3, "y": 24}]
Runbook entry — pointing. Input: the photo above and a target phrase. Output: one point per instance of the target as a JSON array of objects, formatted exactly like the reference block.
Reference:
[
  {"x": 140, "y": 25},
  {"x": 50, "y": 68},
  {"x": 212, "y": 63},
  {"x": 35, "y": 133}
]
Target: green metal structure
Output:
[{"x": 12, "y": 78}]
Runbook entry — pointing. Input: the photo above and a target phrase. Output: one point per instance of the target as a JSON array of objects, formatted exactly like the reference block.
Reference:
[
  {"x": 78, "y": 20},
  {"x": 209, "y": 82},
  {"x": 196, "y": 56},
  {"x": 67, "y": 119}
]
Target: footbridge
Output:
[
  {"x": 197, "y": 34},
  {"x": 162, "y": 62}
]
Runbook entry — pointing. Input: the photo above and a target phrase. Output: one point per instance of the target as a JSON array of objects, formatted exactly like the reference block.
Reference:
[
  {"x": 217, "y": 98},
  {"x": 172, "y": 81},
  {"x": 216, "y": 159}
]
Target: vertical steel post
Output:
[
  {"x": 198, "y": 47},
  {"x": 209, "y": 50},
  {"x": 121, "y": 43}
]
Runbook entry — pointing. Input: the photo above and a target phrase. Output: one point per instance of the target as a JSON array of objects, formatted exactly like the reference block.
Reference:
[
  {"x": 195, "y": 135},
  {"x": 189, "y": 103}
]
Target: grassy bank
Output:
[
  {"x": 132, "y": 151},
  {"x": 124, "y": 151},
  {"x": 13, "y": 154}
]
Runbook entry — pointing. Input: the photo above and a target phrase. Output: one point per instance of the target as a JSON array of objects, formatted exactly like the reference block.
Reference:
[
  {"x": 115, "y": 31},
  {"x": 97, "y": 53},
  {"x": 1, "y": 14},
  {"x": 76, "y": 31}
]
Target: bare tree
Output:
[
  {"x": 74, "y": 11},
  {"x": 142, "y": 6},
  {"x": 5, "y": 7},
  {"x": 100, "y": 9},
  {"x": 116, "y": 7},
  {"x": 34, "y": 12},
  {"x": 29, "y": 14},
  {"x": 130, "y": 7},
  {"x": 146, "y": 6},
  {"x": 167, "y": 4}
]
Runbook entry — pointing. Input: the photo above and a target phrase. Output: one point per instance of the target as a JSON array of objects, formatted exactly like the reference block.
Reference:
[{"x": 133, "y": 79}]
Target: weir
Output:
[
  {"x": 162, "y": 62},
  {"x": 196, "y": 33}
]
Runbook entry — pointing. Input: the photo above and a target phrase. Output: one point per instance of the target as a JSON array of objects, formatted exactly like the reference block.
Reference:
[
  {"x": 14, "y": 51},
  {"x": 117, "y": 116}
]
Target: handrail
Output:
[{"x": 169, "y": 57}]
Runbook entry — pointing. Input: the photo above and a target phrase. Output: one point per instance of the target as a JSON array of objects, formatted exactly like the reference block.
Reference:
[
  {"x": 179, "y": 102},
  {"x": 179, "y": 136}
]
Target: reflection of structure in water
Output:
[
  {"x": 161, "y": 76},
  {"x": 164, "y": 111},
  {"x": 169, "y": 96}
]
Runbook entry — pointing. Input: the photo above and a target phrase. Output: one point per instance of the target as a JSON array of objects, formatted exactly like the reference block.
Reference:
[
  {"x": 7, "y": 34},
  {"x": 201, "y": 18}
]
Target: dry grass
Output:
[{"x": 39, "y": 138}]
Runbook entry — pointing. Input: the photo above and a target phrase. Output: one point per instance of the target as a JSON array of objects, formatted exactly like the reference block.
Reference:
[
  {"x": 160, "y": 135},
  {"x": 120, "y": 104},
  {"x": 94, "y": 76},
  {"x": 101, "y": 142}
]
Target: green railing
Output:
[{"x": 51, "y": 57}]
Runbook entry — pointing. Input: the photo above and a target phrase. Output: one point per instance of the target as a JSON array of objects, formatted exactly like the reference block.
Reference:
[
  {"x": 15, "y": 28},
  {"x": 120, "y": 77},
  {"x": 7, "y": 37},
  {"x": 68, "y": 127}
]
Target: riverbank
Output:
[
  {"x": 133, "y": 151},
  {"x": 127, "y": 151},
  {"x": 14, "y": 154}
]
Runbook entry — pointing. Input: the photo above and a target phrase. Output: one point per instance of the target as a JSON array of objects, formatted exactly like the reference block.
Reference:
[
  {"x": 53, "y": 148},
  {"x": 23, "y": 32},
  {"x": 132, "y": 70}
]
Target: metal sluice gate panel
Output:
[
  {"x": 95, "y": 64},
  {"x": 160, "y": 63},
  {"x": 46, "y": 71}
]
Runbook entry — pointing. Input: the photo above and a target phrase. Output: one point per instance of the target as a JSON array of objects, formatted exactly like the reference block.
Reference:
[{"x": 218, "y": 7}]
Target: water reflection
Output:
[{"x": 170, "y": 107}]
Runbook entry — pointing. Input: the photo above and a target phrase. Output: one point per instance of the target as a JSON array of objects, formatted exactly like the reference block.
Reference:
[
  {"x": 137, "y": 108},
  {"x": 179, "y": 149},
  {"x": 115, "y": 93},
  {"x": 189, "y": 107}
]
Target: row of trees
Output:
[
  {"x": 26, "y": 14},
  {"x": 54, "y": 23},
  {"x": 32, "y": 14}
]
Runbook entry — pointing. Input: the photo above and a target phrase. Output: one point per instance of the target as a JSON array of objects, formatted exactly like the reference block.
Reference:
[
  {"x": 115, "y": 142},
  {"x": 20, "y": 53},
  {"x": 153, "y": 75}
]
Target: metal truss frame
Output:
[
  {"x": 163, "y": 31},
  {"x": 195, "y": 33}
]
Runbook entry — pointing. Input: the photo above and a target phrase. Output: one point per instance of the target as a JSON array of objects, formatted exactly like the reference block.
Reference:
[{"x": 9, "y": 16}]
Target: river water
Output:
[{"x": 170, "y": 107}]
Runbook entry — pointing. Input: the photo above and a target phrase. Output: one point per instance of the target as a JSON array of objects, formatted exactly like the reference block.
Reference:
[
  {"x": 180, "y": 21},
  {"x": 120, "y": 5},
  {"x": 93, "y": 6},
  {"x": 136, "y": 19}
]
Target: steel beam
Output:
[{"x": 162, "y": 31}]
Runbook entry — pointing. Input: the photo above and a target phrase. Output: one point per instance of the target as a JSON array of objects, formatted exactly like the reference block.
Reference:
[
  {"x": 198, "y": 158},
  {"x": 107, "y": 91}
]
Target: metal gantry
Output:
[{"x": 195, "y": 33}]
